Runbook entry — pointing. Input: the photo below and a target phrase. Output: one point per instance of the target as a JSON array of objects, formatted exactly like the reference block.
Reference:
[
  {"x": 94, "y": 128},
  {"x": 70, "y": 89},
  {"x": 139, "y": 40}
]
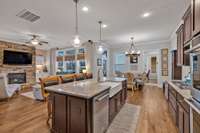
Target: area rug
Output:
[
  {"x": 28, "y": 94},
  {"x": 126, "y": 121}
]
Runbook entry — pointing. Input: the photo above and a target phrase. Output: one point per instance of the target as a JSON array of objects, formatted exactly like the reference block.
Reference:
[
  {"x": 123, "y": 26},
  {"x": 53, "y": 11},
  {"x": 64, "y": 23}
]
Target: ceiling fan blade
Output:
[
  {"x": 44, "y": 42},
  {"x": 40, "y": 44},
  {"x": 33, "y": 35}
]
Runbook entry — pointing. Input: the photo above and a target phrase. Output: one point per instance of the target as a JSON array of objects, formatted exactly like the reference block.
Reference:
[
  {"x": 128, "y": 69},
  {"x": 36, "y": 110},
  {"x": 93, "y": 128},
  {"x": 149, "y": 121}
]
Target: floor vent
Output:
[{"x": 27, "y": 15}]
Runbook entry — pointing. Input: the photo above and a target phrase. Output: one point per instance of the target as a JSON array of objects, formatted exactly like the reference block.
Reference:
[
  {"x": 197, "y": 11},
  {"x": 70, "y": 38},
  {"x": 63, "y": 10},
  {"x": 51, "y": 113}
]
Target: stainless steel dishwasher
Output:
[{"x": 101, "y": 112}]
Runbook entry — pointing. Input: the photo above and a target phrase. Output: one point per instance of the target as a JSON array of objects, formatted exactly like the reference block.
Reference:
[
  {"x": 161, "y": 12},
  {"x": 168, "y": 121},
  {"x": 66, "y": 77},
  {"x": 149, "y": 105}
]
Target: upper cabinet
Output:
[
  {"x": 187, "y": 18},
  {"x": 180, "y": 43},
  {"x": 195, "y": 16},
  {"x": 184, "y": 37},
  {"x": 187, "y": 26}
]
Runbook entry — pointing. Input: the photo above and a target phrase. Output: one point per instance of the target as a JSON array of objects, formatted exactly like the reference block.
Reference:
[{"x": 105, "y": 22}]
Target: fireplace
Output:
[{"x": 16, "y": 78}]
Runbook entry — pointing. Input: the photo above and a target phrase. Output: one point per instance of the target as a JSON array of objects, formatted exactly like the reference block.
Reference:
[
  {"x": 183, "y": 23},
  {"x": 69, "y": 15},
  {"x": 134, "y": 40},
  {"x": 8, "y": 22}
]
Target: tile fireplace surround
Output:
[{"x": 28, "y": 70}]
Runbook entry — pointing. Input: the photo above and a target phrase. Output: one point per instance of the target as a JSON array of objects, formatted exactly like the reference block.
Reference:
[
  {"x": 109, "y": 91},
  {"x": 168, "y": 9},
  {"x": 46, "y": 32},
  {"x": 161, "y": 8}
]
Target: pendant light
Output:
[
  {"x": 100, "y": 47},
  {"x": 76, "y": 41},
  {"x": 132, "y": 51}
]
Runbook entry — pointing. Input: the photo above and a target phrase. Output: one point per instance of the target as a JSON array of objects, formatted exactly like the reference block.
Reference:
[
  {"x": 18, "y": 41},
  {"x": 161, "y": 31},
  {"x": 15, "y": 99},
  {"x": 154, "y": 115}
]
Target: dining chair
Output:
[
  {"x": 67, "y": 78},
  {"x": 45, "y": 82},
  {"x": 130, "y": 80}
]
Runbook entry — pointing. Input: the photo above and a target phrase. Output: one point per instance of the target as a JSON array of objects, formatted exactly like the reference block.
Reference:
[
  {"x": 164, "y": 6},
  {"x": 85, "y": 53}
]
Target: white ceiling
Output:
[{"x": 123, "y": 18}]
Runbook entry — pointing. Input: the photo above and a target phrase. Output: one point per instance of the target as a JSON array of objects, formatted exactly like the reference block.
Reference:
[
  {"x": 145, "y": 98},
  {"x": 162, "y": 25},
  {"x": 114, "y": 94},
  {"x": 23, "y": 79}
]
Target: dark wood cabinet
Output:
[
  {"x": 59, "y": 112},
  {"x": 172, "y": 112},
  {"x": 179, "y": 110},
  {"x": 195, "y": 17},
  {"x": 172, "y": 104},
  {"x": 187, "y": 26},
  {"x": 183, "y": 120},
  {"x": 186, "y": 122},
  {"x": 76, "y": 115},
  {"x": 183, "y": 115},
  {"x": 180, "y": 43},
  {"x": 115, "y": 103},
  {"x": 176, "y": 70},
  {"x": 69, "y": 115},
  {"x": 187, "y": 18},
  {"x": 113, "y": 108},
  {"x": 196, "y": 122},
  {"x": 73, "y": 114},
  {"x": 180, "y": 119}
]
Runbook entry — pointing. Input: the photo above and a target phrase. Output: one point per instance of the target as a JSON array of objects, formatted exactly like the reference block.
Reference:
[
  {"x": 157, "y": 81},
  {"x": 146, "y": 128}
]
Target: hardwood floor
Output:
[
  {"x": 154, "y": 115},
  {"x": 23, "y": 115}
]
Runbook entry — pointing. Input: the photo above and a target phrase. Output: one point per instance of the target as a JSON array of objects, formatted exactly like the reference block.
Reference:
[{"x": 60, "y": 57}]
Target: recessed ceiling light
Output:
[
  {"x": 145, "y": 15},
  {"x": 104, "y": 26},
  {"x": 85, "y": 9}
]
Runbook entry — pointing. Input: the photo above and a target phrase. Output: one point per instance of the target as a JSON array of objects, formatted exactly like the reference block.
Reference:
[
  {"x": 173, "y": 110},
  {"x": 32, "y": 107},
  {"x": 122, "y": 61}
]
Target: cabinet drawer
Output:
[
  {"x": 196, "y": 122},
  {"x": 181, "y": 101},
  {"x": 172, "y": 91},
  {"x": 196, "y": 116},
  {"x": 172, "y": 113},
  {"x": 172, "y": 101}
]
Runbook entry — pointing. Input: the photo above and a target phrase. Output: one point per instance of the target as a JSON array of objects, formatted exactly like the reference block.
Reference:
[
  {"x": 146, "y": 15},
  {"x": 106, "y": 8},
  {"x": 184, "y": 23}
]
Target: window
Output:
[
  {"x": 81, "y": 60},
  {"x": 120, "y": 59},
  {"x": 70, "y": 61},
  {"x": 120, "y": 62}
]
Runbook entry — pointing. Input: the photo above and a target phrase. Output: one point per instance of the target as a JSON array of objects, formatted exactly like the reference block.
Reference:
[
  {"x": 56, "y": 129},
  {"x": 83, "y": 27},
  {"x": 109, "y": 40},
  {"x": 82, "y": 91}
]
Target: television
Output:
[{"x": 16, "y": 58}]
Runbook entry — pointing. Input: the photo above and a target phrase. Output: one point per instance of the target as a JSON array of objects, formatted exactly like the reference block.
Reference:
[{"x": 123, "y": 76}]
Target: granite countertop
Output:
[
  {"x": 186, "y": 93},
  {"x": 84, "y": 89},
  {"x": 114, "y": 79}
]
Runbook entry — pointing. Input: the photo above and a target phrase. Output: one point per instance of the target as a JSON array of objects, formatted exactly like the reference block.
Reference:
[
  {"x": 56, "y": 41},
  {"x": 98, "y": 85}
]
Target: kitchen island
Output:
[{"x": 86, "y": 106}]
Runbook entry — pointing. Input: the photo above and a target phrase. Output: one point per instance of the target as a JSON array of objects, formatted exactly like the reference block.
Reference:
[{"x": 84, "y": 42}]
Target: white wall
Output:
[{"x": 92, "y": 54}]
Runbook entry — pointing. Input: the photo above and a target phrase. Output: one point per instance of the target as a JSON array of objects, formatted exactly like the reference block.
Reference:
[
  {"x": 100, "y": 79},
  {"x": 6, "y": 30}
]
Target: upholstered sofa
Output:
[{"x": 7, "y": 90}]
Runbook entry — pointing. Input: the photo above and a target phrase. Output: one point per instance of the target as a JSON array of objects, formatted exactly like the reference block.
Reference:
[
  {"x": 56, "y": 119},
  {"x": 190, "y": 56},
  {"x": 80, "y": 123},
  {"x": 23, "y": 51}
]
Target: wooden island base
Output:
[{"x": 73, "y": 114}]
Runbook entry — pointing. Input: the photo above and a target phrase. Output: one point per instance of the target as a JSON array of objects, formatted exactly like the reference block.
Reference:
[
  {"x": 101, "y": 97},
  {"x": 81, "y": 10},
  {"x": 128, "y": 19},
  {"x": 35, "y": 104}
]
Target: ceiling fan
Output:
[{"x": 35, "y": 40}]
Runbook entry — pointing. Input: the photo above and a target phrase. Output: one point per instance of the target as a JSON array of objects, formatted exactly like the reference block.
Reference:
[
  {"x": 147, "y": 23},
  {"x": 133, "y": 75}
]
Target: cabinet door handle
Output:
[{"x": 101, "y": 98}]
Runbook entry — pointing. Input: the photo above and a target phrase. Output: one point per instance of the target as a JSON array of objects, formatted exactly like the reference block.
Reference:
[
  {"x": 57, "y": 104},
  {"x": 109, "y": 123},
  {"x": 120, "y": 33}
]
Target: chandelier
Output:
[{"x": 132, "y": 51}]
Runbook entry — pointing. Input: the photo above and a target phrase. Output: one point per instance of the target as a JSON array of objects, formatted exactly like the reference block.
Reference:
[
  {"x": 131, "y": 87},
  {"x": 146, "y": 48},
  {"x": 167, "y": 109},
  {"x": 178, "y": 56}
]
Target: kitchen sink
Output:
[
  {"x": 182, "y": 85},
  {"x": 115, "y": 87}
]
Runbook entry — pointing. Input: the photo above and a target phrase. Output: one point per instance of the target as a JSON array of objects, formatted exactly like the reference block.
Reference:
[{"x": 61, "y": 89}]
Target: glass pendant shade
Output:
[
  {"x": 76, "y": 42},
  {"x": 100, "y": 49}
]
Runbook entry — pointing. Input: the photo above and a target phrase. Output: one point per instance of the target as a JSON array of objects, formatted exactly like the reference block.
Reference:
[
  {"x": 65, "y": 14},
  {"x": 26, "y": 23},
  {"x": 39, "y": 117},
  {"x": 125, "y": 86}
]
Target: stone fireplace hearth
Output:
[{"x": 16, "y": 78}]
